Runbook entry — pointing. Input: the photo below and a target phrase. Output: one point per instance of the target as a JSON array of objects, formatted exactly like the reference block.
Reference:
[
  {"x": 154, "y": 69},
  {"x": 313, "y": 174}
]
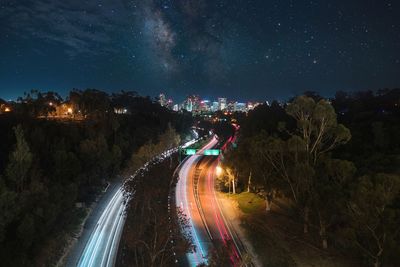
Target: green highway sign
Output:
[
  {"x": 190, "y": 151},
  {"x": 211, "y": 152},
  {"x": 207, "y": 152}
]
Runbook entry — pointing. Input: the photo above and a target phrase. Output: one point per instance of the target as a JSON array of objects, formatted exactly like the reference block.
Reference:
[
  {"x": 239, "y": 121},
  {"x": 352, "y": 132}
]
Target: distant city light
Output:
[{"x": 198, "y": 106}]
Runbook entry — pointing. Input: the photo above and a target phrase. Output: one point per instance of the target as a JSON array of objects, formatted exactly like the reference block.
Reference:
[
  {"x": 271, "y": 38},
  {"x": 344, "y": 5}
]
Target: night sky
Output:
[{"x": 235, "y": 48}]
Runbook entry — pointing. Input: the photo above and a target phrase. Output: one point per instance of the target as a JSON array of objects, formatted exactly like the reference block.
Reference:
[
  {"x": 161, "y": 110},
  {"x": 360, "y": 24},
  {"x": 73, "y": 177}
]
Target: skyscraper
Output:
[
  {"x": 162, "y": 100},
  {"x": 214, "y": 106},
  {"x": 221, "y": 103}
]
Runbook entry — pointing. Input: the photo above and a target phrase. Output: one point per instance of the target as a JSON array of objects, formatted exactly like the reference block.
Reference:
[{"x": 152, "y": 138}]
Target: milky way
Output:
[{"x": 240, "y": 49}]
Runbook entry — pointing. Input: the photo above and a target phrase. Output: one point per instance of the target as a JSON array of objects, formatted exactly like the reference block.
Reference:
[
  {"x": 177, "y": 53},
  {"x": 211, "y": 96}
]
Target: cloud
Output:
[
  {"x": 79, "y": 26},
  {"x": 172, "y": 38}
]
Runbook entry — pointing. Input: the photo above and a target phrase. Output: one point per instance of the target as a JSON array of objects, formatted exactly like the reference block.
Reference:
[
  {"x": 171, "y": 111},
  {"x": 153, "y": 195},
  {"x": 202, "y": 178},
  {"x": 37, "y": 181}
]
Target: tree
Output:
[
  {"x": 285, "y": 161},
  {"x": 50, "y": 165},
  {"x": 146, "y": 152},
  {"x": 293, "y": 159},
  {"x": 124, "y": 100},
  {"x": 375, "y": 218},
  {"x": 20, "y": 161},
  {"x": 94, "y": 103},
  {"x": 26, "y": 230},
  {"x": 219, "y": 255},
  {"x": 231, "y": 177},
  {"x": 169, "y": 138},
  {"x": 96, "y": 157},
  {"x": 318, "y": 132},
  {"x": 227, "y": 177},
  {"x": 264, "y": 174},
  {"x": 7, "y": 207},
  {"x": 35, "y": 103},
  {"x": 331, "y": 193},
  {"x": 317, "y": 126},
  {"x": 153, "y": 230}
]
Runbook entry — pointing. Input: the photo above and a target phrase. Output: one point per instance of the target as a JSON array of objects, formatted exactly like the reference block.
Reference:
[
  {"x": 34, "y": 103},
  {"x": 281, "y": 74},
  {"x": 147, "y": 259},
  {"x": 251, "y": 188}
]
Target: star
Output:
[{"x": 203, "y": 42}]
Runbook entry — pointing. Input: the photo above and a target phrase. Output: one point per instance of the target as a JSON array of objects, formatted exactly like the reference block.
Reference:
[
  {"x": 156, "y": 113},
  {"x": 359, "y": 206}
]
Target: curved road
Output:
[
  {"x": 196, "y": 197},
  {"x": 101, "y": 247}
]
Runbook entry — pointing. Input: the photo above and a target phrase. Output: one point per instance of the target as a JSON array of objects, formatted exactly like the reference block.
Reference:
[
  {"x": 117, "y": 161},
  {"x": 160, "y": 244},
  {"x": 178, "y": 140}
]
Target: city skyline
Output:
[{"x": 197, "y": 104}]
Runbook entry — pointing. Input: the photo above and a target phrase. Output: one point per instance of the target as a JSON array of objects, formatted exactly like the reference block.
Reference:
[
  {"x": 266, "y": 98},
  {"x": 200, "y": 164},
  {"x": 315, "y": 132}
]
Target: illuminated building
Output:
[{"x": 221, "y": 103}]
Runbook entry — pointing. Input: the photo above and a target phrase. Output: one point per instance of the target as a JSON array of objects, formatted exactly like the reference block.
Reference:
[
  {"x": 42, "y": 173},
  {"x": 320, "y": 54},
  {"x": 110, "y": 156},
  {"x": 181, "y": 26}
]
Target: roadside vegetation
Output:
[
  {"x": 50, "y": 166},
  {"x": 152, "y": 234},
  {"x": 328, "y": 174}
]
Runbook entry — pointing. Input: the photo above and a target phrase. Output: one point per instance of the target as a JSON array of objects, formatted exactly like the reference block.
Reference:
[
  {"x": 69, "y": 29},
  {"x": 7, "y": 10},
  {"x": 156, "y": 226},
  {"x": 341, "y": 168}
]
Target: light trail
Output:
[
  {"x": 102, "y": 247},
  {"x": 189, "y": 208},
  {"x": 196, "y": 196},
  {"x": 227, "y": 232}
]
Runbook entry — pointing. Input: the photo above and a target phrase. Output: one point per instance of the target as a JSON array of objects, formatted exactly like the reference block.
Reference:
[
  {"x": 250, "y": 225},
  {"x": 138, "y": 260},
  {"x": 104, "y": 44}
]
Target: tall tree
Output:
[
  {"x": 319, "y": 132},
  {"x": 7, "y": 207},
  {"x": 331, "y": 193},
  {"x": 20, "y": 161},
  {"x": 375, "y": 216},
  {"x": 293, "y": 160},
  {"x": 94, "y": 103},
  {"x": 317, "y": 126}
]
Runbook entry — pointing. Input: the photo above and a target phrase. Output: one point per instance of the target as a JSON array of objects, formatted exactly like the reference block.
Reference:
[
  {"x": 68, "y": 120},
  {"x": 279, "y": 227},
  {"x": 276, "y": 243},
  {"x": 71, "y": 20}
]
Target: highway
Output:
[
  {"x": 101, "y": 247},
  {"x": 196, "y": 197}
]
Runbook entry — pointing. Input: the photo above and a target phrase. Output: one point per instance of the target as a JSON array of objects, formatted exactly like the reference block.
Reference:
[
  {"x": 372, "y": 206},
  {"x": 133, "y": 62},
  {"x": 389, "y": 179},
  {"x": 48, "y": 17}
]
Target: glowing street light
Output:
[{"x": 219, "y": 170}]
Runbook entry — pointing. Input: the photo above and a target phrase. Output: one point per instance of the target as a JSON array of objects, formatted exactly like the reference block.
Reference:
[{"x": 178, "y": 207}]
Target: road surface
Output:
[
  {"x": 102, "y": 247},
  {"x": 196, "y": 197},
  {"x": 98, "y": 247}
]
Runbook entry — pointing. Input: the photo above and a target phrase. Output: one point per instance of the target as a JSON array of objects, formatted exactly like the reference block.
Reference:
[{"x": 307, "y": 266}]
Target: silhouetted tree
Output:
[{"x": 20, "y": 162}]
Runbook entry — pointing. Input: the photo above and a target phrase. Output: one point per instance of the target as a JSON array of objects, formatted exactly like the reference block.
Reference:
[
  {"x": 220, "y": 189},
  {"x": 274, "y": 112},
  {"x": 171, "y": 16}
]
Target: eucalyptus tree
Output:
[
  {"x": 375, "y": 217},
  {"x": 19, "y": 163},
  {"x": 293, "y": 158},
  {"x": 331, "y": 193},
  {"x": 319, "y": 133}
]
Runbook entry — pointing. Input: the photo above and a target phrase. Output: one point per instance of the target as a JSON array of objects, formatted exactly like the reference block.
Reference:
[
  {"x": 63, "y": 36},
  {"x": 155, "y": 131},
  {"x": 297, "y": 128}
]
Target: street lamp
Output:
[{"x": 219, "y": 170}]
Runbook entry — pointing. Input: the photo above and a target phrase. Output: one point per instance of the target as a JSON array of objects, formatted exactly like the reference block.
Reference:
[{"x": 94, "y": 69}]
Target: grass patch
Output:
[
  {"x": 277, "y": 238},
  {"x": 269, "y": 247},
  {"x": 249, "y": 203}
]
